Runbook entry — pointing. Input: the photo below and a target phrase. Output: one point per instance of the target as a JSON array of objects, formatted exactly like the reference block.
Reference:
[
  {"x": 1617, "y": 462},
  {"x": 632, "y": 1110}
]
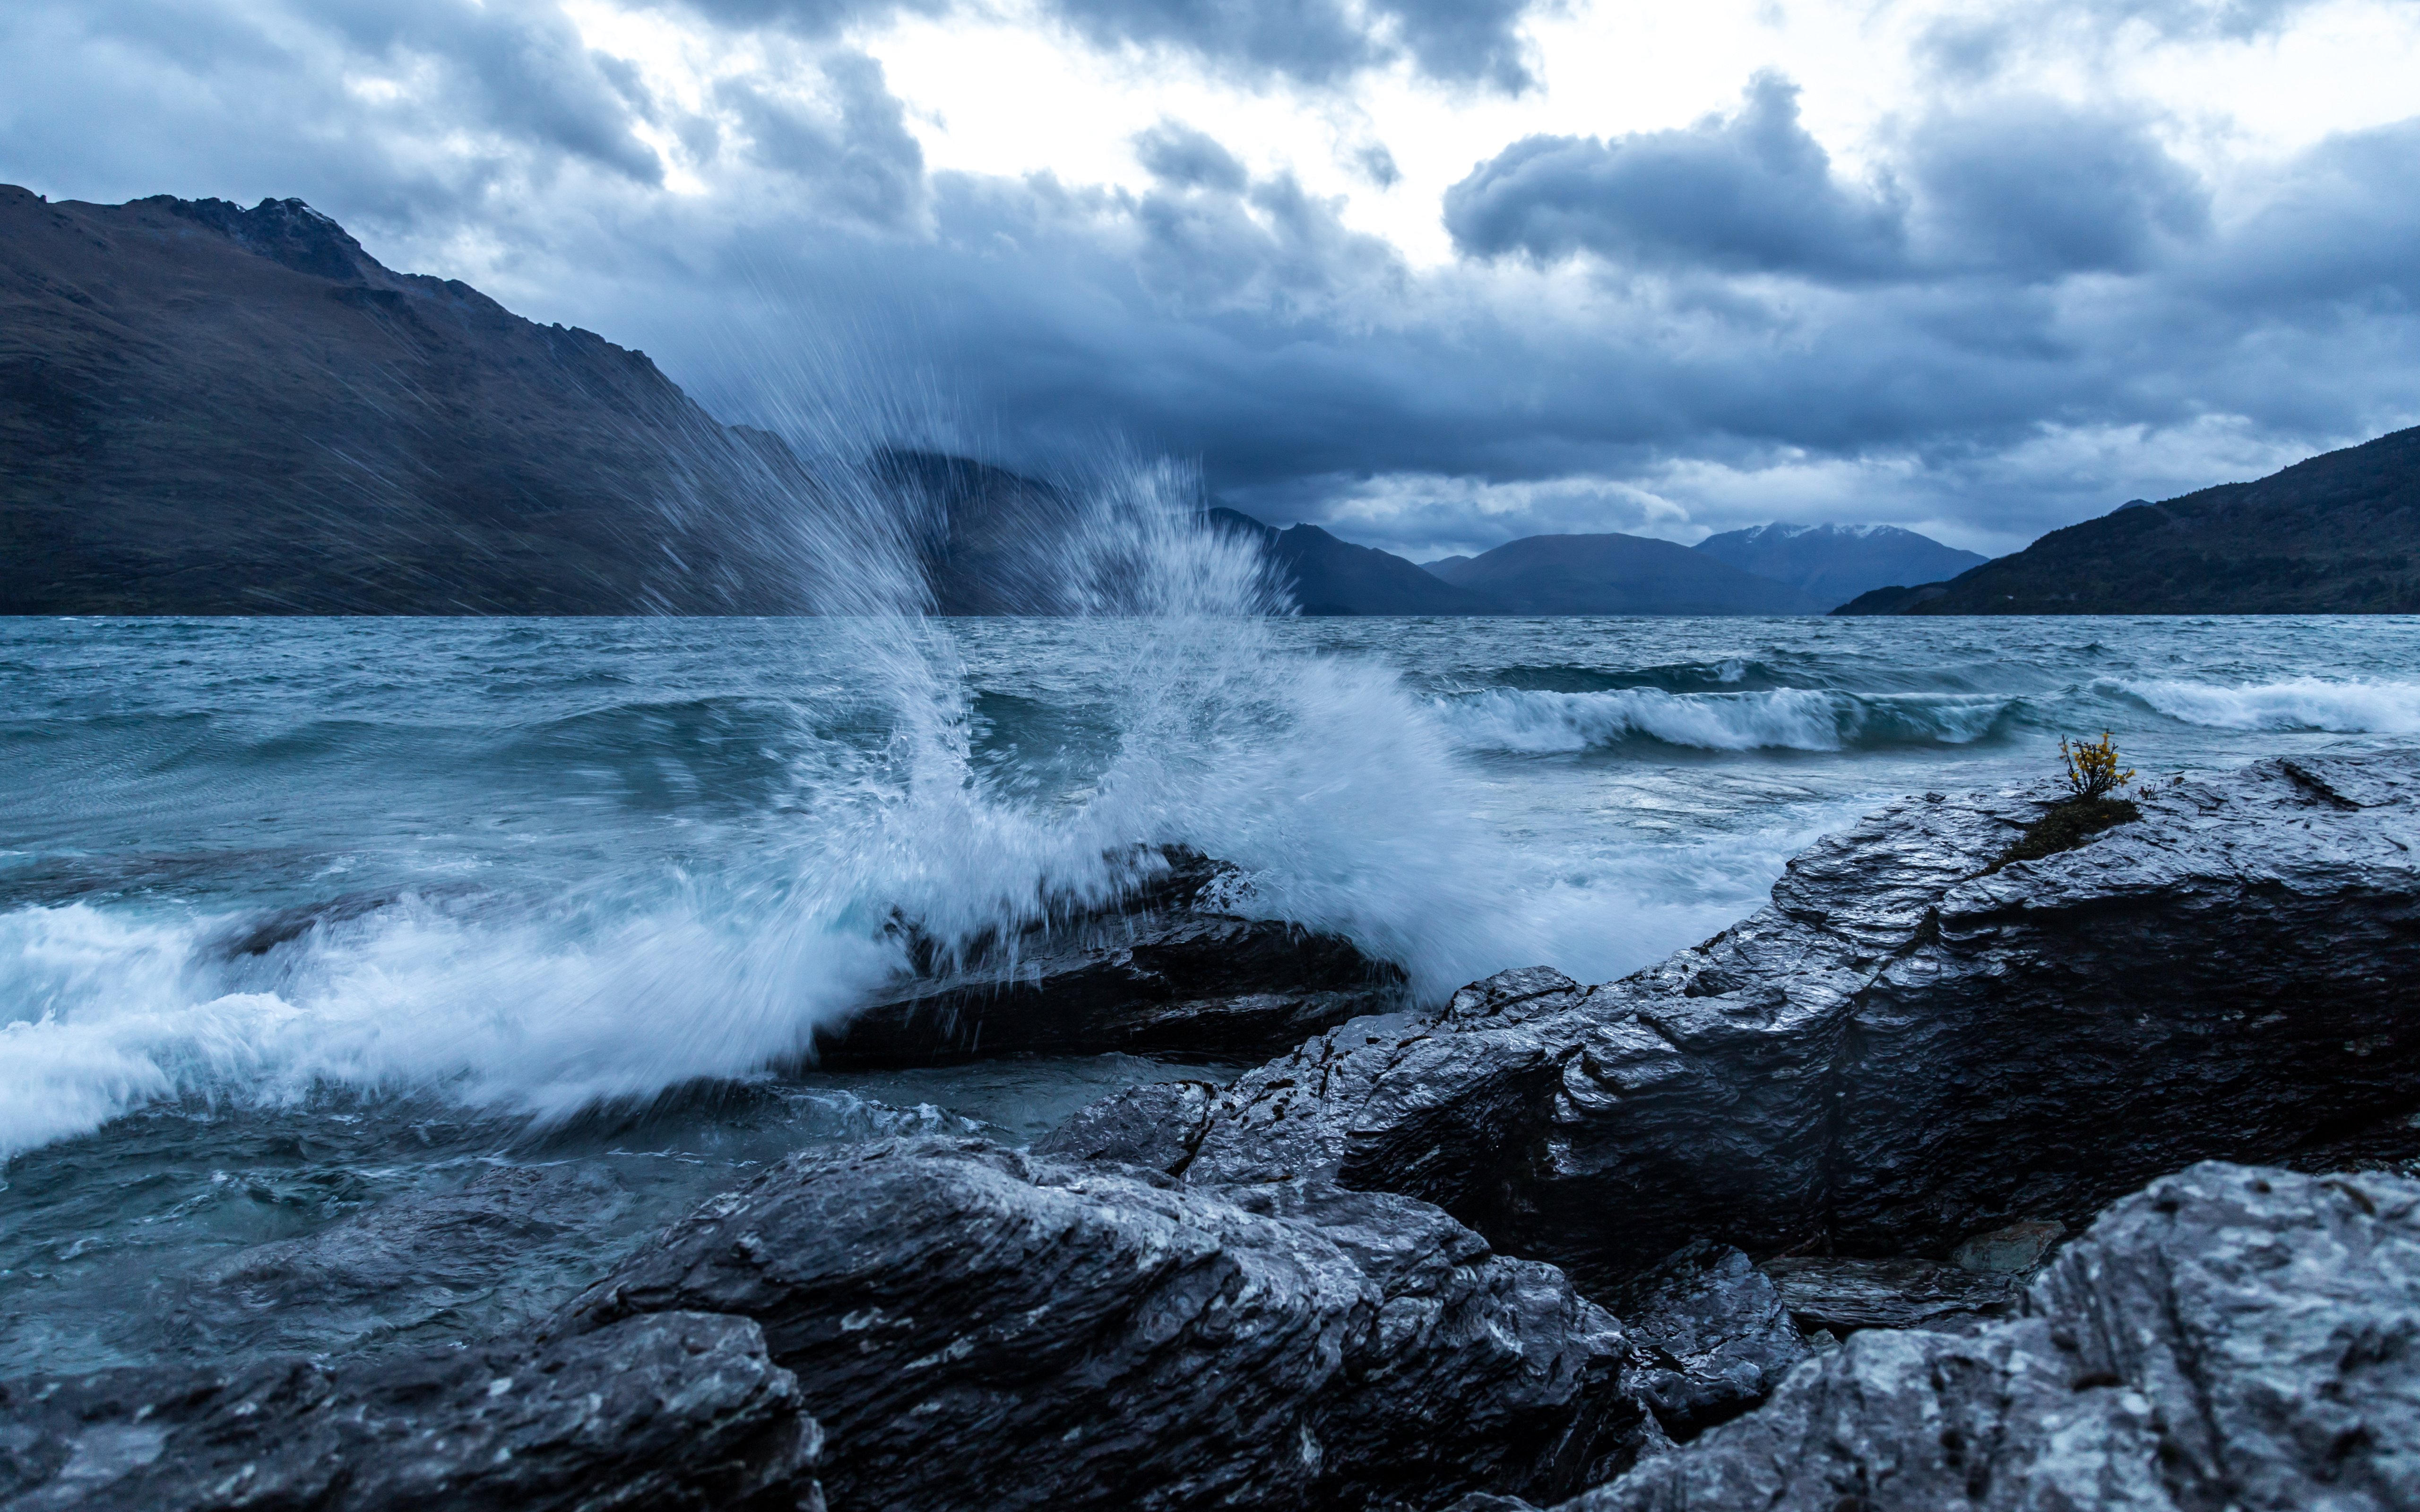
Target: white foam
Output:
[
  {"x": 2354, "y": 706},
  {"x": 1786, "y": 718},
  {"x": 1341, "y": 794}
]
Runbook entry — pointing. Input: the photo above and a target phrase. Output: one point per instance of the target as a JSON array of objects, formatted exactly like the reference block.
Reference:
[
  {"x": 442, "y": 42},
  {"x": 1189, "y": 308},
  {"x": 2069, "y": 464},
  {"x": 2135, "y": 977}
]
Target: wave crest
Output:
[
  {"x": 1790, "y": 719},
  {"x": 2357, "y": 707}
]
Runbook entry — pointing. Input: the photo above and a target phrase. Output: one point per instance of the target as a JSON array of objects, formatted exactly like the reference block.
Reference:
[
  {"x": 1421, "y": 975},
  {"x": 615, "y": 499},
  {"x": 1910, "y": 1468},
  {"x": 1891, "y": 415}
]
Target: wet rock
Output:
[
  {"x": 977, "y": 1327},
  {"x": 1155, "y": 1125},
  {"x": 460, "y": 1260},
  {"x": 1168, "y": 971},
  {"x": 669, "y": 1411},
  {"x": 1902, "y": 1050},
  {"x": 2016, "y": 1249},
  {"x": 2230, "y": 1337},
  {"x": 1842, "y": 1296},
  {"x": 1711, "y": 1334}
]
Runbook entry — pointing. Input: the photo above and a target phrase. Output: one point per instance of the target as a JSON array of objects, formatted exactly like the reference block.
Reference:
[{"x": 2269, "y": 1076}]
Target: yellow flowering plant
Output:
[{"x": 2092, "y": 769}]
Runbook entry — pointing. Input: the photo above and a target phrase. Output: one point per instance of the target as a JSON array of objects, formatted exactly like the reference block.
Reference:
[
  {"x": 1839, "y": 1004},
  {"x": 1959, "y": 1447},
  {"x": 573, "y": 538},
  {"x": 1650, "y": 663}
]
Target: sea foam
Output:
[
  {"x": 2381, "y": 707},
  {"x": 1789, "y": 718}
]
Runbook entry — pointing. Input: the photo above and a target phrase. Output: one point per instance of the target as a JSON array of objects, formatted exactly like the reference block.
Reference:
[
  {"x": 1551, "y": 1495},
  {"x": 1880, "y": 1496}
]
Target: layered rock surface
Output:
[
  {"x": 672, "y": 1411},
  {"x": 1905, "y": 1047},
  {"x": 976, "y": 1327},
  {"x": 2230, "y": 1337},
  {"x": 1168, "y": 969}
]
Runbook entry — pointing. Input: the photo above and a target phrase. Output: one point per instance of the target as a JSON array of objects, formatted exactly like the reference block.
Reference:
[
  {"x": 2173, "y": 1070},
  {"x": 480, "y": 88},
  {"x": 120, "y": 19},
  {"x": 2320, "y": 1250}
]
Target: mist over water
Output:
[{"x": 300, "y": 914}]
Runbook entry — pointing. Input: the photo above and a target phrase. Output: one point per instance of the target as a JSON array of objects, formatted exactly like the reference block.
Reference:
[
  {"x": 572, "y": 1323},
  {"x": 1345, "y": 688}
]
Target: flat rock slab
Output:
[
  {"x": 1844, "y": 1295},
  {"x": 979, "y": 1328},
  {"x": 2230, "y": 1337},
  {"x": 1904, "y": 1049}
]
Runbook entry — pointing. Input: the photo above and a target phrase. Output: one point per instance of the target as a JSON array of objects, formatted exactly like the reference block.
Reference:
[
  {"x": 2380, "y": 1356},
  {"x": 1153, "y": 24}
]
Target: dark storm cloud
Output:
[
  {"x": 2037, "y": 189},
  {"x": 132, "y": 97},
  {"x": 852, "y": 151},
  {"x": 2026, "y": 188},
  {"x": 1179, "y": 155},
  {"x": 2025, "y": 314},
  {"x": 517, "y": 68},
  {"x": 1753, "y": 191},
  {"x": 1317, "y": 41}
]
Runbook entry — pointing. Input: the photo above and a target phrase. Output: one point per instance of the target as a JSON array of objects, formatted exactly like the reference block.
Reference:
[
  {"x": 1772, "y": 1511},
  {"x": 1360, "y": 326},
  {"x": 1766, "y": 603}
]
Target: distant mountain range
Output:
[
  {"x": 1617, "y": 575},
  {"x": 2336, "y": 534},
  {"x": 1837, "y": 563},
  {"x": 209, "y": 410}
]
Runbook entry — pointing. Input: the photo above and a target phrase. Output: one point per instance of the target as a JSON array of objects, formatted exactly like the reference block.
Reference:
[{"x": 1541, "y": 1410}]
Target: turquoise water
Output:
[{"x": 300, "y": 914}]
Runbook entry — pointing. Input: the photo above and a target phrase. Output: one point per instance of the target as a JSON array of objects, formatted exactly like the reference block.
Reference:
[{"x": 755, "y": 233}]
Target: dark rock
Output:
[
  {"x": 451, "y": 1259},
  {"x": 669, "y": 1411},
  {"x": 2017, "y": 1249},
  {"x": 979, "y": 1328},
  {"x": 1711, "y": 1334},
  {"x": 1902, "y": 1051},
  {"x": 1164, "y": 970},
  {"x": 1156, "y": 1126},
  {"x": 1844, "y": 1295},
  {"x": 2230, "y": 1337}
]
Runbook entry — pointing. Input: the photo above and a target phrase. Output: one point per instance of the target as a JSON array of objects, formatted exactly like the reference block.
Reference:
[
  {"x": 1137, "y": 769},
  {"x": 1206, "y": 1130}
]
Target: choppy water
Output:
[{"x": 297, "y": 916}]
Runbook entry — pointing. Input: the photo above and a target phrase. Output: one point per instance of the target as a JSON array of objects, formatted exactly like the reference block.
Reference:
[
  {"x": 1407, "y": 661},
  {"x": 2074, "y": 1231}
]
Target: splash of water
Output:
[{"x": 1335, "y": 791}]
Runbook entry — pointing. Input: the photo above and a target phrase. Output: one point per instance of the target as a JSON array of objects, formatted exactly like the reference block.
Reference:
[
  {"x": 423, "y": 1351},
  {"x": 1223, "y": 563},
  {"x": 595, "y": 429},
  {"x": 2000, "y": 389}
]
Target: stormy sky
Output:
[{"x": 1434, "y": 273}]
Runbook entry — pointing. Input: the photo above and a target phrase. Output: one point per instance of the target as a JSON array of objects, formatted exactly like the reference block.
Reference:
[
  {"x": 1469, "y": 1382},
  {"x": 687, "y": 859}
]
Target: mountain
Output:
[
  {"x": 1331, "y": 577},
  {"x": 2336, "y": 534},
  {"x": 1895, "y": 599},
  {"x": 1837, "y": 563},
  {"x": 207, "y": 409},
  {"x": 1617, "y": 575}
]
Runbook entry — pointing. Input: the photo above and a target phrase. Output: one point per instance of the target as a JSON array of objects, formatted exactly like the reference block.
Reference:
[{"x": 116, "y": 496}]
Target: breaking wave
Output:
[
  {"x": 1533, "y": 721},
  {"x": 614, "y": 974},
  {"x": 2383, "y": 707}
]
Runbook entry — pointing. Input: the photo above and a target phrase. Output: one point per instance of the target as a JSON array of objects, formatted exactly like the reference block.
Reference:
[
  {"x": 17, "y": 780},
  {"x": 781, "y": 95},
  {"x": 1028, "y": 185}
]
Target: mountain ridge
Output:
[
  {"x": 1613, "y": 574},
  {"x": 1837, "y": 563},
  {"x": 2335, "y": 534}
]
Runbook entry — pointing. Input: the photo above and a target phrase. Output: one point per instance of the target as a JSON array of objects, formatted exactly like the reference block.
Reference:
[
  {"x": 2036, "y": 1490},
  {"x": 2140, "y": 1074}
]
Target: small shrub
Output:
[
  {"x": 2092, "y": 769},
  {"x": 2092, "y": 775}
]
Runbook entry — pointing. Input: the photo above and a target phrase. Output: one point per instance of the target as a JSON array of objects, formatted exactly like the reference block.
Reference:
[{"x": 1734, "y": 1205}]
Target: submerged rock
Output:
[
  {"x": 669, "y": 1411},
  {"x": 1902, "y": 1051},
  {"x": 1168, "y": 971},
  {"x": 977, "y": 1327},
  {"x": 448, "y": 1259},
  {"x": 2230, "y": 1337}
]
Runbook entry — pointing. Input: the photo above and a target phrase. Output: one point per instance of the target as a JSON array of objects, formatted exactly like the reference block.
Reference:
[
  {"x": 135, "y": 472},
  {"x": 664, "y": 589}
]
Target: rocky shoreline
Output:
[{"x": 1929, "y": 1185}]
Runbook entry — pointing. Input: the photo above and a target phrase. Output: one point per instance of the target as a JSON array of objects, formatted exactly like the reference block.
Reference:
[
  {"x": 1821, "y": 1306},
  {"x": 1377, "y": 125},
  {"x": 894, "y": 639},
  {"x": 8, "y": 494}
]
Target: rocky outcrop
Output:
[
  {"x": 1905, "y": 1048},
  {"x": 1711, "y": 1335},
  {"x": 977, "y": 1327},
  {"x": 1166, "y": 970},
  {"x": 2230, "y": 1337},
  {"x": 669, "y": 1411}
]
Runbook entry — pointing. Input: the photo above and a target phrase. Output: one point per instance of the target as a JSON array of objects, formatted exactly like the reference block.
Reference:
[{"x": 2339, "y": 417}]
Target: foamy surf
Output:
[
  {"x": 2352, "y": 706},
  {"x": 1531, "y": 721}
]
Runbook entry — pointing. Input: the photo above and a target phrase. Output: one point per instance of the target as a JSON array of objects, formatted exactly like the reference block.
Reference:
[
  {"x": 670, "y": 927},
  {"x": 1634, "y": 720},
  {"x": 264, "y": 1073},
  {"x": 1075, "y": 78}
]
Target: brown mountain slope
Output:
[
  {"x": 2337, "y": 534},
  {"x": 205, "y": 410}
]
